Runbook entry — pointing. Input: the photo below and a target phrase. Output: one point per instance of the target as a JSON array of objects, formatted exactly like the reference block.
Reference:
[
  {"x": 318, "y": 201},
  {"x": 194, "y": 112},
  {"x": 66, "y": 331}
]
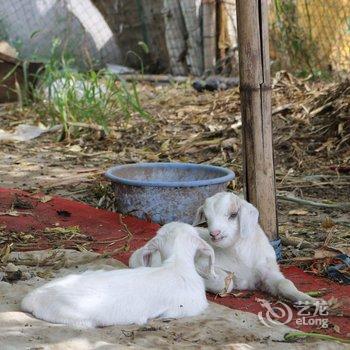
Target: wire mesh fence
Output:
[
  {"x": 311, "y": 36},
  {"x": 32, "y": 27},
  {"x": 306, "y": 36}
]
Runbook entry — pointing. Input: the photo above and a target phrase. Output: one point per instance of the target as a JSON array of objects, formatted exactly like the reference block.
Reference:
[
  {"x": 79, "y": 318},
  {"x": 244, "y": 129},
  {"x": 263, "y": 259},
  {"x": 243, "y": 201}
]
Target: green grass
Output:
[
  {"x": 62, "y": 95},
  {"x": 69, "y": 97},
  {"x": 294, "y": 336}
]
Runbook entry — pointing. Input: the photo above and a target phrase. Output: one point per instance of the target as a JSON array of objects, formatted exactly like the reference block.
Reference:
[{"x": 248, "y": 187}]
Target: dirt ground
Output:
[
  {"x": 312, "y": 157},
  {"x": 312, "y": 153},
  {"x": 217, "y": 328}
]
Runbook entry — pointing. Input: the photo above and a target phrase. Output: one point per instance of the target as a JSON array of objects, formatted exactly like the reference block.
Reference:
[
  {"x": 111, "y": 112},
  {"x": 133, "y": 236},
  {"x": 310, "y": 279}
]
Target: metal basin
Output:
[{"x": 165, "y": 192}]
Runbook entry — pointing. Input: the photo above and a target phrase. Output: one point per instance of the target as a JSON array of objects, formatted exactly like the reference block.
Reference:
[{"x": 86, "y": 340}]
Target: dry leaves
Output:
[
  {"x": 295, "y": 241},
  {"x": 228, "y": 285},
  {"x": 324, "y": 253},
  {"x": 298, "y": 212},
  {"x": 5, "y": 253},
  {"x": 327, "y": 251},
  {"x": 45, "y": 199},
  {"x": 64, "y": 231}
]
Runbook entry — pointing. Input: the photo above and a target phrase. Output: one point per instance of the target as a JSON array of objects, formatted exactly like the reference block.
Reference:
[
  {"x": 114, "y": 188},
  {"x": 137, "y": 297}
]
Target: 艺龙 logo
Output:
[
  {"x": 311, "y": 314},
  {"x": 274, "y": 315}
]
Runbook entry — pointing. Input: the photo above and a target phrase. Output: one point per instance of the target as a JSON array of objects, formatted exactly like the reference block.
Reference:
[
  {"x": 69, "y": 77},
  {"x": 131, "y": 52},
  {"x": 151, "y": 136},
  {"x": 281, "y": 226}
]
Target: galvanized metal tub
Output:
[{"x": 165, "y": 192}]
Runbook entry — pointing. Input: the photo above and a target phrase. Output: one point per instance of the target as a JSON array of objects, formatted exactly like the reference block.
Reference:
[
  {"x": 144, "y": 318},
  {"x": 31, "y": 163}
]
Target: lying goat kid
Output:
[
  {"x": 242, "y": 249},
  {"x": 138, "y": 257},
  {"x": 103, "y": 298}
]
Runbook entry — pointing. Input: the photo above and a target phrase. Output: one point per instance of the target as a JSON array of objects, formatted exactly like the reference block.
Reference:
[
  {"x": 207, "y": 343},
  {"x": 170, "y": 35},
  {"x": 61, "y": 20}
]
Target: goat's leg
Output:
[
  {"x": 275, "y": 283},
  {"x": 288, "y": 290},
  {"x": 217, "y": 284},
  {"x": 220, "y": 283}
]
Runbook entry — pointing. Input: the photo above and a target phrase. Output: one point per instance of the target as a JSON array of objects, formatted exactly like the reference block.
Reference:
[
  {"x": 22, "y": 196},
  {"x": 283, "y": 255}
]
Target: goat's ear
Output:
[
  {"x": 248, "y": 218},
  {"x": 147, "y": 251},
  {"x": 205, "y": 249},
  {"x": 200, "y": 217}
]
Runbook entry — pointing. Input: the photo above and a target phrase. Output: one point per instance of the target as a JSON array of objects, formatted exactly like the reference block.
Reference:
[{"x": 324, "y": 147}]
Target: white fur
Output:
[
  {"x": 137, "y": 259},
  {"x": 155, "y": 260},
  {"x": 102, "y": 298},
  {"x": 242, "y": 248}
]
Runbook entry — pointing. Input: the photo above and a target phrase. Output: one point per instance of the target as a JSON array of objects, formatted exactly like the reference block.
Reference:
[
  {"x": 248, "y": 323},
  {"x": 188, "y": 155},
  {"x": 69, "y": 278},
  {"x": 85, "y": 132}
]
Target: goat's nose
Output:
[{"x": 214, "y": 233}]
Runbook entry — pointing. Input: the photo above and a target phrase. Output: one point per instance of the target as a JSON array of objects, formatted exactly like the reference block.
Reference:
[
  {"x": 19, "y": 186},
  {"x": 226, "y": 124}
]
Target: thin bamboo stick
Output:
[
  {"x": 209, "y": 34},
  {"x": 191, "y": 15},
  {"x": 175, "y": 31}
]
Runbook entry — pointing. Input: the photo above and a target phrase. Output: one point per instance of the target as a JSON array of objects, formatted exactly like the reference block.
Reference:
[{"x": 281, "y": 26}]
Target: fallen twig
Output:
[
  {"x": 153, "y": 78},
  {"x": 343, "y": 205},
  {"x": 15, "y": 213},
  {"x": 283, "y": 108},
  {"x": 296, "y": 242},
  {"x": 89, "y": 126},
  {"x": 343, "y": 223},
  {"x": 128, "y": 237},
  {"x": 73, "y": 179}
]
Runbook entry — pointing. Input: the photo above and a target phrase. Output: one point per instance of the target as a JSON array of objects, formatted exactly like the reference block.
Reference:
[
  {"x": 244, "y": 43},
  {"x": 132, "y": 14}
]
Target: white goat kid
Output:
[
  {"x": 242, "y": 249},
  {"x": 103, "y": 298},
  {"x": 138, "y": 257}
]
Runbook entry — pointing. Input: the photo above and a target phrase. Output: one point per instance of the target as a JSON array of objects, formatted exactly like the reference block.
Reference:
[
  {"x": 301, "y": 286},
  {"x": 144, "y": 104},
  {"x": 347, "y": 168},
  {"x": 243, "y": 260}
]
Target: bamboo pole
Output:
[
  {"x": 209, "y": 34},
  {"x": 175, "y": 30},
  {"x": 255, "y": 90},
  {"x": 194, "y": 56}
]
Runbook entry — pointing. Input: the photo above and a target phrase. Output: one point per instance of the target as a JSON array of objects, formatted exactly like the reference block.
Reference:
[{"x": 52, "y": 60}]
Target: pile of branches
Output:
[
  {"x": 331, "y": 116},
  {"x": 311, "y": 120}
]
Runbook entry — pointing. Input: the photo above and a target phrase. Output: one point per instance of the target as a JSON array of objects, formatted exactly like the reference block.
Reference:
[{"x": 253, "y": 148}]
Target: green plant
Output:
[
  {"x": 67, "y": 96},
  {"x": 296, "y": 48},
  {"x": 60, "y": 94},
  {"x": 295, "y": 336}
]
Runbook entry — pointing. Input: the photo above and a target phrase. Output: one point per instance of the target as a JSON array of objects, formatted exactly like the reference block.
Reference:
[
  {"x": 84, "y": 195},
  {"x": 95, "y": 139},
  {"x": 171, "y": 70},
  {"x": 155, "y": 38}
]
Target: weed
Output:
[
  {"x": 66, "y": 96},
  {"x": 59, "y": 94},
  {"x": 91, "y": 97},
  {"x": 296, "y": 46}
]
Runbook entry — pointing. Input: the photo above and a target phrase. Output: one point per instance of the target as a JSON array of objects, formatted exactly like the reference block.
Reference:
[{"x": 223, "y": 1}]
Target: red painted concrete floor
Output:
[{"x": 111, "y": 232}]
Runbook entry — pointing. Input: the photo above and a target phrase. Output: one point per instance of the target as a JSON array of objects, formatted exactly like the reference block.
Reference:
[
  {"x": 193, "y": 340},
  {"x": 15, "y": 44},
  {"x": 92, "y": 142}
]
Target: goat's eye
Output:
[{"x": 232, "y": 216}]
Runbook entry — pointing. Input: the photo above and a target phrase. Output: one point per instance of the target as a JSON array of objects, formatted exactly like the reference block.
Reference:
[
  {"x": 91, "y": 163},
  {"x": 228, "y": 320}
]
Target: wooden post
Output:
[
  {"x": 255, "y": 90},
  {"x": 209, "y": 34}
]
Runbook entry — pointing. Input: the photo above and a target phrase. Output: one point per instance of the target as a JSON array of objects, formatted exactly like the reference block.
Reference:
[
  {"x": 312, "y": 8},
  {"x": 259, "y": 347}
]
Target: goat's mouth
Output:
[{"x": 217, "y": 239}]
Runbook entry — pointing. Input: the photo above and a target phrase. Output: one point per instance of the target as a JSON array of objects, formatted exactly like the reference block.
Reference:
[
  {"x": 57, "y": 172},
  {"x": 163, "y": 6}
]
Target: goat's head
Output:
[
  {"x": 228, "y": 217},
  {"x": 181, "y": 237}
]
